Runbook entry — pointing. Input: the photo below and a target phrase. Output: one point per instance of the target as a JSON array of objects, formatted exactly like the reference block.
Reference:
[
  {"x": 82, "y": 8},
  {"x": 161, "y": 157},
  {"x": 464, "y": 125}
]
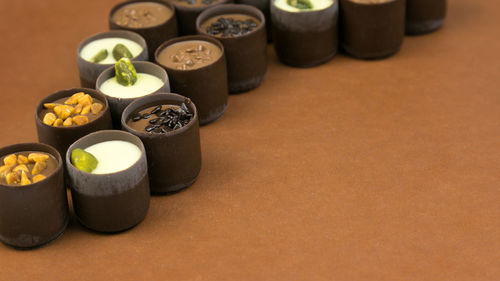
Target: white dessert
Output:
[
  {"x": 114, "y": 156},
  {"x": 91, "y": 49},
  {"x": 145, "y": 85},
  {"x": 317, "y": 5}
]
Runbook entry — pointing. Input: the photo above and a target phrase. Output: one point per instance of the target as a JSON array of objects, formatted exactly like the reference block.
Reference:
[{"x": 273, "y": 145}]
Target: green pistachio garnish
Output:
[
  {"x": 83, "y": 161},
  {"x": 125, "y": 72},
  {"x": 300, "y": 4},
  {"x": 100, "y": 56},
  {"x": 121, "y": 51}
]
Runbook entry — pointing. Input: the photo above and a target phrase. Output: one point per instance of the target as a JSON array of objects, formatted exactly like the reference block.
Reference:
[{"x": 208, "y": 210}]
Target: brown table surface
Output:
[{"x": 353, "y": 170}]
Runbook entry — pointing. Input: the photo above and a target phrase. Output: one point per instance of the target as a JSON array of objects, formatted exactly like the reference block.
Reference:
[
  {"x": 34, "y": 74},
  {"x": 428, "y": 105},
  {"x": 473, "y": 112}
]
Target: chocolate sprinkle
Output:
[
  {"x": 228, "y": 27},
  {"x": 167, "y": 119}
]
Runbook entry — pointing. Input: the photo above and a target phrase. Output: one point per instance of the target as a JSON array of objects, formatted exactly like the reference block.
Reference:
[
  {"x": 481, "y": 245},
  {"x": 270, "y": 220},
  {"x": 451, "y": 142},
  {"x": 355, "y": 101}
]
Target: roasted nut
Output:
[
  {"x": 12, "y": 178},
  {"x": 68, "y": 122},
  {"x": 21, "y": 167},
  {"x": 21, "y": 159},
  {"x": 4, "y": 170},
  {"x": 78, "y": 109},
  {"x": 85, "y": 110},
  {"x": 38, "y": 178},
  {"x": 37, "y": 157},
  {"x": 39, "y": 167},
  {"x": 80, "y": 120},
  {"x": 64, "y": 111},
  {"x": 50, "y": 105},
  {"x": 96, "y": 108},
  {"x": 58, "y": 122},
  {"x": 10, "y": 160},
  {"x": 24, "y": 179},
  {"x": 74, "y": 98},
  {"x": 49, "y": 118},
  {"x": 85, "y": 100}
]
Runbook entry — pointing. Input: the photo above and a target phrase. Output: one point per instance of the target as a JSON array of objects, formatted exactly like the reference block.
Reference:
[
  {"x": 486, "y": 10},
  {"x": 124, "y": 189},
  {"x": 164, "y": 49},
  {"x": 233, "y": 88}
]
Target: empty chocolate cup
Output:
[
  {"x": 89, "y": 71},
  {"x": 62, "y": 137},
  {"x": 305, "y": 38},
  {"x": 262, "y": 5},
  {"x": 154, "y": 35},
  {"x": 110, "y": 202},
  {"x": 205, "y": 86},
  {"x": 373, "y": 30},
  {"x": 187, "y": 14},
  {"x": 246, "y": 55},
  {"x": 174, "y": 158},
  {"x": 117, "y": 104},
  {"x": 424, "y": 16},
  {"x": 33, "y": 215}
]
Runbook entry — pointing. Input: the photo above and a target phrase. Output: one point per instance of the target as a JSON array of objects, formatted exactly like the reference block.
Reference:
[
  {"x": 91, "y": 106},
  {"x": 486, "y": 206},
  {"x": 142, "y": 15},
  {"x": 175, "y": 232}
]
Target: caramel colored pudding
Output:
[
  {"x": 26, "y": 167},
  {"x": 142, "y": 14},
  {"x": 187, "y": 55},
  {"x": 195, "y": 3},
  {"x": 230, "y": 25}
]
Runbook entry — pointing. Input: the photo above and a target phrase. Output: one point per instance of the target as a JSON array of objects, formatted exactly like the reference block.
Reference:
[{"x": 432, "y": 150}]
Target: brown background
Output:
[{"x": 354, "y": 170}]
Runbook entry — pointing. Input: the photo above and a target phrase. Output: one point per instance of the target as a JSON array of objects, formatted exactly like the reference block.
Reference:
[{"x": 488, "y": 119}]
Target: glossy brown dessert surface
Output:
[
  {"x": 141, "y": 15},
  {"x": 195, "y": 3},
  {"x": 192, "y": 54},
  {"x": 161, "y": 118},
  {"x": 26, "y": 167}
]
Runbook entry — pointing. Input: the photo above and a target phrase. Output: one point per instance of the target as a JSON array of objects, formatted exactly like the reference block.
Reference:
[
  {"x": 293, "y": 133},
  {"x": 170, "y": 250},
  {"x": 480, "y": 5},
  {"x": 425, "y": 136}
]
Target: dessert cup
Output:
[
  {"x": 206, "y": 86},
  {"x": 262, "y": 5},
  {"x": 186, "y": 15},
  {"x": 35, "y": 214},
  {"x": 305, "y": 38},
  {"x": 117, "y": 104},
  {"x": 424, "y": 16},
  {"x": 89, "y": 71},
  {"x": 62, "y": 137},
  {"x": 109, "y": 202},
  {"x": 246, "y": 55},
  {"x": 174, "y": 158},
  {"x": 154, "y": 35},
  {"x": 372, "y": 30}
]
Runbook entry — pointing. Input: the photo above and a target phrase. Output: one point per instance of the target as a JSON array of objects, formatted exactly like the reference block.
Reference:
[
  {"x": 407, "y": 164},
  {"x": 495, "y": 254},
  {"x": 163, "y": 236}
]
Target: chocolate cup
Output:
[
  {"x": 31, "y": 216},
  {"x": 110, "y": 202},
  {"x": 262, "y": 5},
  {"x": 174, "y": 158},
  {"x": 305, "y": 39},
  {"x": 117, "y": 105},
  {"x": 154, "y": 35},
  {"x": 62, "y": 137},
  {"x": 424, "y": 16},
  {"x": 246, "y": 55},
  {"x": 205, "y": 86},
  {"x": 186, "y": 15},
  {"x": 372, "y": 31},
  {"x": 89, "y": 71}
]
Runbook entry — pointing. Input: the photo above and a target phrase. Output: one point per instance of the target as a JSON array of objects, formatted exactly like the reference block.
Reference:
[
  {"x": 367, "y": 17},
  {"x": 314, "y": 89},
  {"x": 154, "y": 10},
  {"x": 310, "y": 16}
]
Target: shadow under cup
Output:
[
  {"x": 33, "y": 215},
  {"x": 174, "y": 158}
]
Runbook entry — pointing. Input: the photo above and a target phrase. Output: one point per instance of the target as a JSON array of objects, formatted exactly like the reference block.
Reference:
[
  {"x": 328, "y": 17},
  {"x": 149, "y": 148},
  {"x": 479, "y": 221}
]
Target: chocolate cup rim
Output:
[
  {"x": 36, "y": 185},
  {"x": 93, "y": 93},
  {"x": 74, "y": 145},
  {"x": 388, "y": 2},
  {"x": 219, "y": 10},
  {"x": 124, "y": 3},
  {"x": 106, "y": 72},
  {"x": 101, "y": 35},
  {"x": 199, "y": 37},
  {"x": 157, "y": 98},
  {"x": 197, "y": 8},
  {"x": 272, "y": 3}
]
